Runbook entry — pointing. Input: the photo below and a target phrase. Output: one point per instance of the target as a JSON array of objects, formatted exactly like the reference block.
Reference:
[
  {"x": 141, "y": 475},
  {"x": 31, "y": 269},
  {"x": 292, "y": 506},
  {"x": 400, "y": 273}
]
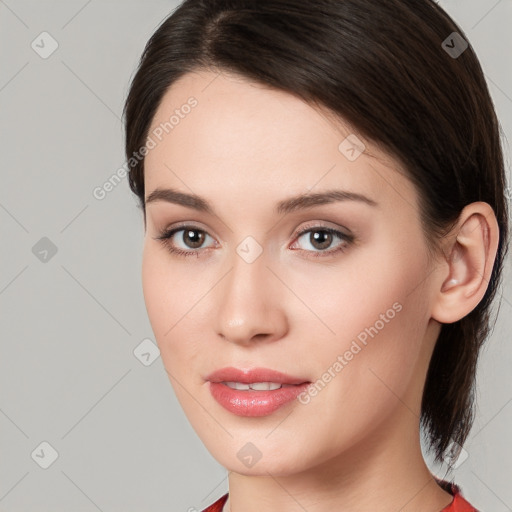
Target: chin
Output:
[{"x": 261, "y": 457}]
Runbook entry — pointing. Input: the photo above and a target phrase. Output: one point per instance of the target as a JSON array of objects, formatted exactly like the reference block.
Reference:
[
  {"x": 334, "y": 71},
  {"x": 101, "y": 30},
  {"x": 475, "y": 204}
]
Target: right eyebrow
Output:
[{"x": 304, "y": 201}]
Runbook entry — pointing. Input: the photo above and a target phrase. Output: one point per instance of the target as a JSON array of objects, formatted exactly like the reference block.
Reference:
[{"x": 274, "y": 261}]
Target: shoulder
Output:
[{"x": 217, "y": 506}]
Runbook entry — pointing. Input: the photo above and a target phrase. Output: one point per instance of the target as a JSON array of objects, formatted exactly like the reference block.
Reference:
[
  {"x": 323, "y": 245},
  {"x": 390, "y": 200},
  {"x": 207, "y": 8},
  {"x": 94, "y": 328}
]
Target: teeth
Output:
[
  {"x": 265, "y": 386},
  {"x": 256, "y": 386}
]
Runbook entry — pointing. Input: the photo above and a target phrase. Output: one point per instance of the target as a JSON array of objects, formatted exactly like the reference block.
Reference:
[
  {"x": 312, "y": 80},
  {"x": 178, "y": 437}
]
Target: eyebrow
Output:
[{"x": 291, "y": 204}]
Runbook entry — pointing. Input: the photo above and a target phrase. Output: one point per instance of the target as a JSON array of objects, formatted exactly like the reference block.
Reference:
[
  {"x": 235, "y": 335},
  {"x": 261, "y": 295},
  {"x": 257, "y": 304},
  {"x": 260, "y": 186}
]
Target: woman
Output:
[{"x": 322, "y": 187}]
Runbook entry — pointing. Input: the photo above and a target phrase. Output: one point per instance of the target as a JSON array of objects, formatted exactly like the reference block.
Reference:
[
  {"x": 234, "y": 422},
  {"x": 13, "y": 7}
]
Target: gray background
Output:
[{"x": 70, "y": 321}]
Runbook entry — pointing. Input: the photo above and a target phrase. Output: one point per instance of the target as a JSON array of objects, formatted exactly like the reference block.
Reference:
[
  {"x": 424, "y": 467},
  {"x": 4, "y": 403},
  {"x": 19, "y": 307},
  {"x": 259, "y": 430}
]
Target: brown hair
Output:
[{"x": 382, "y": 67}]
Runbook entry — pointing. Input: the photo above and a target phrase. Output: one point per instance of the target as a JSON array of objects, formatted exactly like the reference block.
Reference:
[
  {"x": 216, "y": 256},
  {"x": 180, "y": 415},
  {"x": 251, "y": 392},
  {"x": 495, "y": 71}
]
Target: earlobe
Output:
[{"x": 465, "y": 273}]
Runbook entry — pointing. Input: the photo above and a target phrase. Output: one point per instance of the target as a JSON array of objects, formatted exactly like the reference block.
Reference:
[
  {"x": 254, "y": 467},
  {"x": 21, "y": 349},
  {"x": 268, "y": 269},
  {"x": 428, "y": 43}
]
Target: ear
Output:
[{"x": 465, "y": 271}]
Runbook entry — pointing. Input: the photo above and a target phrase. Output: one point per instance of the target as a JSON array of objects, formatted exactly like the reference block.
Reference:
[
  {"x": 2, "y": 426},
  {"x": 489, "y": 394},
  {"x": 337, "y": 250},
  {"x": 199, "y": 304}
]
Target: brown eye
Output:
[
  {"x": 193, "y": 238},
  {"x": 321, "y": 238},
  {"x": 188, "y": 244}
]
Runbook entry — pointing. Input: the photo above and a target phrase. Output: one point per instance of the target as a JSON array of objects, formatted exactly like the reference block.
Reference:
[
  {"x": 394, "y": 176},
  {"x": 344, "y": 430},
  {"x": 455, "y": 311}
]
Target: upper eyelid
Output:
[
  {"x": 346, "y": 240},
  {"x": 296, "y": 232},
  {"x": 168, "y": 233}
]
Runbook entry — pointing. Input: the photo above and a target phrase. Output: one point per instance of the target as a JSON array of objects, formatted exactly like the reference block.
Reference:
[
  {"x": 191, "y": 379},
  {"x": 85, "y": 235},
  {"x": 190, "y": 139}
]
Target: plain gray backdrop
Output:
[{"x": 88, "y": 418}]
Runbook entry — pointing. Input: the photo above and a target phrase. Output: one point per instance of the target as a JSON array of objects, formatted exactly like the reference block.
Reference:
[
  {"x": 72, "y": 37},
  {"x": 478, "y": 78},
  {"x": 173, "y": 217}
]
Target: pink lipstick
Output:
[{"x": 254, "y": 392}]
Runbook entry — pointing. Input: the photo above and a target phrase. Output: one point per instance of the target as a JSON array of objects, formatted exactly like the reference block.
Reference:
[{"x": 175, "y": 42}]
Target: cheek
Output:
[
  {"x": 360, "y": 296},
  {"x": 159, "y": 285},
  {"x": 379, "y": 316},
  {"x": 154, "y": 286},
  {"x": 171, "y": 294},
  {"x": 372, "y": 380}
]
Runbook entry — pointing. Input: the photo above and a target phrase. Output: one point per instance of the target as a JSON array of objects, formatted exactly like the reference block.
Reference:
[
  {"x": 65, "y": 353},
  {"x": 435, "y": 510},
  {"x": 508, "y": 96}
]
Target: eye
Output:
[
  {"x": 321, "y": 238},
  {"x": 192, "y": 237}
]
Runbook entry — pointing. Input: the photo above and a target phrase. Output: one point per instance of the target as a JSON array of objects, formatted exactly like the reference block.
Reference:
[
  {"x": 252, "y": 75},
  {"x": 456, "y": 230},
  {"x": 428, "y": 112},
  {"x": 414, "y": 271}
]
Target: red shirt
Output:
[{"x": 458, "y": 504}]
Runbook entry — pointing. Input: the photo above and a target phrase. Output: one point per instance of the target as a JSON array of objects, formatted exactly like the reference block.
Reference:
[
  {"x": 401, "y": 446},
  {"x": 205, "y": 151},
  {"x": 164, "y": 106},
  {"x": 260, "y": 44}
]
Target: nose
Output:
[{"x": 250, "y": 303}]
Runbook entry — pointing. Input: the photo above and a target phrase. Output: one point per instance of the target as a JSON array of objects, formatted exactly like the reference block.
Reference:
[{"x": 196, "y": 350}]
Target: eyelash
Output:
[{"x": 347, "y": 240}]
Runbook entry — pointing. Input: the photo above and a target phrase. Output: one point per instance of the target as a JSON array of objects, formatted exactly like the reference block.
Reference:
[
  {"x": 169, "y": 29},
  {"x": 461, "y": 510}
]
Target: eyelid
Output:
[
  {"x": 298, "y": 232},
  {"x": 347, "y": 238},
  {"x": 322, "y": 225},
  {"x": 168, "y": 232},
  {"x": 182, "y": 225}
]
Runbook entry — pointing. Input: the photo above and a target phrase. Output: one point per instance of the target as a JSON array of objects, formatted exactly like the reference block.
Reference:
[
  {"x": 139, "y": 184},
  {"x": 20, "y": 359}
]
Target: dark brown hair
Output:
[{"x": 382, "y": 67}]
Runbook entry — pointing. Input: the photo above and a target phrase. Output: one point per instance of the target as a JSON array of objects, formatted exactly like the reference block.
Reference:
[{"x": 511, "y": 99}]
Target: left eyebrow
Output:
[
  {"x": 304, "y": 201},
  {"x": 291, "y": 204}
]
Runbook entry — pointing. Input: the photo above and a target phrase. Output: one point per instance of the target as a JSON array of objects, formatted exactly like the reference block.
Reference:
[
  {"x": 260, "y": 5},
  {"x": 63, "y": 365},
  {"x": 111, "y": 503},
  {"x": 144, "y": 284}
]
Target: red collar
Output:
[
  {"x": 458, "y": 504},
  {"x": 217, "y": 506}
]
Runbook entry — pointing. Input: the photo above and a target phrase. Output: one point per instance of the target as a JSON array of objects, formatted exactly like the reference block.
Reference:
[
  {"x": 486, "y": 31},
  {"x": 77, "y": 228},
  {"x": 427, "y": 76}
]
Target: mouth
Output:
[
  {"x": 254, "y": 392},
  {"x": 256, "y": 386}
]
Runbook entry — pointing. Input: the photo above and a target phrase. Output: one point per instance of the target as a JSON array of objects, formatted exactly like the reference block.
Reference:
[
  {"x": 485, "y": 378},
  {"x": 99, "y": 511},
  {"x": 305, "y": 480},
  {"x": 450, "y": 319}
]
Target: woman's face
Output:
[{"x": 348, "y": 310}]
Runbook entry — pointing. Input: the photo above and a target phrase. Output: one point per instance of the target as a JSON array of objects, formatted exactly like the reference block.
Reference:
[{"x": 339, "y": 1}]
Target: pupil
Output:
[
  {"x": 323, "y": 239},
  {"x": 198, "y": 239}
]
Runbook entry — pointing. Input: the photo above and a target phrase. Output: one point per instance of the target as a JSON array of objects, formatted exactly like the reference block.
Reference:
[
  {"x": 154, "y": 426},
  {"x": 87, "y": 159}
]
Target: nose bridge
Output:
[
  {"x": 245, "y": 284},
  {"x": 248, "y": 304}
]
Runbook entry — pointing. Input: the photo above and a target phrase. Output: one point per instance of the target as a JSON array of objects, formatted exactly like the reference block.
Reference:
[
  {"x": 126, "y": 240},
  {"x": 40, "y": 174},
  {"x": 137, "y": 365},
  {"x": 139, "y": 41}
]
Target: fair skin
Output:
[{"x": 355, "y": 445}]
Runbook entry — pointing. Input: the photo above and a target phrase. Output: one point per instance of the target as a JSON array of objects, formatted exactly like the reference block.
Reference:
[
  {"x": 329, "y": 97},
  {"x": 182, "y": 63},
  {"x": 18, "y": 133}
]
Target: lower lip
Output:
[{"x": 254, "y": 403}]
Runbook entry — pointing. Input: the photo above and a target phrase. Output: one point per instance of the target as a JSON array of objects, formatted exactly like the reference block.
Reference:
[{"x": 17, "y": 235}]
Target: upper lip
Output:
[{"x": 250, "y": 375}]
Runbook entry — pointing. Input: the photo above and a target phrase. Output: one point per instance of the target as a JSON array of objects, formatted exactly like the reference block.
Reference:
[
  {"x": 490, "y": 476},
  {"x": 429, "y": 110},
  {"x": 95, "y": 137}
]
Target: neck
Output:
[{"x": 385, "y": 473}]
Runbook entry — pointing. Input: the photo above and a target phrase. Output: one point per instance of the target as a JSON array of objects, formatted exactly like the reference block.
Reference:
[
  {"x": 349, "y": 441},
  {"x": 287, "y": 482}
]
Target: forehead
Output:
[{"x": 221, "y": 134}]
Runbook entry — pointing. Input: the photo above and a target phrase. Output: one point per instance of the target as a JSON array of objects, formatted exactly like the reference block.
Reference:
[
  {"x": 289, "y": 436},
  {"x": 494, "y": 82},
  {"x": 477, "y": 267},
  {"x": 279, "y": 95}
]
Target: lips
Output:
[{"x": 254, "y": 392}]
